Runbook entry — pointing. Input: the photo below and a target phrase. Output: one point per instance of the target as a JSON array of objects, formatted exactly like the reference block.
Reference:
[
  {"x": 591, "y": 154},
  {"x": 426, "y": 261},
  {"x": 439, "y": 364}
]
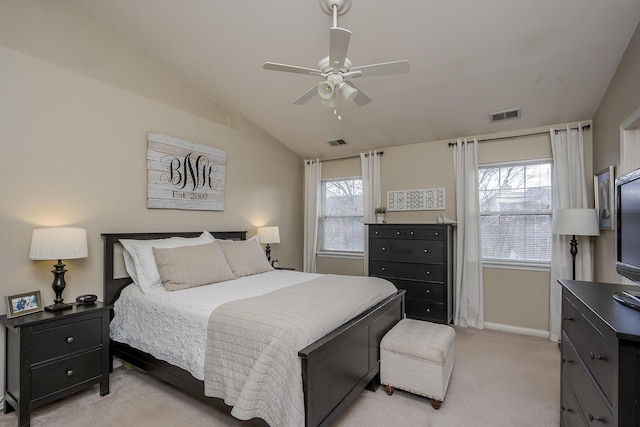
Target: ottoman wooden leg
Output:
[
  {"x": 388, "y": 389},
  {"x": 436, "y": 403}
]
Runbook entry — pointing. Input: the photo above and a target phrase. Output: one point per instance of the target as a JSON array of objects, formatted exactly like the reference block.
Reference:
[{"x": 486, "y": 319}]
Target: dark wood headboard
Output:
[{"x": 112, "y": 286}]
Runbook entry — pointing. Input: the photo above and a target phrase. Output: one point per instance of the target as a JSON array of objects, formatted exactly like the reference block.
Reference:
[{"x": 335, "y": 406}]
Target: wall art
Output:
[
  {"x": 432, "y": 199},
  {"x": 184, "y": 175}
]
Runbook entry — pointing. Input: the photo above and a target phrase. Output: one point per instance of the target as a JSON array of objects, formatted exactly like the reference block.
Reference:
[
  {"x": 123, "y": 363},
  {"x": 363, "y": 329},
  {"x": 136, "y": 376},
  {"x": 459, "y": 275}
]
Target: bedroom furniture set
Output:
[{"x": 332, "y": 352}]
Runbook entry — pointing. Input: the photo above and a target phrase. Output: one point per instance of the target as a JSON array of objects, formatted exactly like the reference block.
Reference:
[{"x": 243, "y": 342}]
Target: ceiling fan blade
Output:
[
  {"x": 383, "y": 69},
  {"x": 291, "y": 69},
  {"x": 338, "y": 46},
  {"x": 307, "y": 95},
  {"x": 360, "y": 99}
]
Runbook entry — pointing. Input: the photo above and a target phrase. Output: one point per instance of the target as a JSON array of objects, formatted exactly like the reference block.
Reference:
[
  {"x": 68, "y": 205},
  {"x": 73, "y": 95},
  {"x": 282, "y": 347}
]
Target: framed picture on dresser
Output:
[{"x": 21, "y": 304}]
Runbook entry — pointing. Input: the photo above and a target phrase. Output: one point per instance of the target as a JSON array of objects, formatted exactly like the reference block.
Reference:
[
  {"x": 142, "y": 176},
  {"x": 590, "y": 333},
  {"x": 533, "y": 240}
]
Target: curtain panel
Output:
[{"x": 312, "y": 207}]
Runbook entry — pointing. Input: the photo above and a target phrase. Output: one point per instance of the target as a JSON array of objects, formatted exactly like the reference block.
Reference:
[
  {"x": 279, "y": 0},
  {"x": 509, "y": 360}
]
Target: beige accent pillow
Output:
[
  {"x": 189, "y": 266},
  {"x": 245, "y": 257}
]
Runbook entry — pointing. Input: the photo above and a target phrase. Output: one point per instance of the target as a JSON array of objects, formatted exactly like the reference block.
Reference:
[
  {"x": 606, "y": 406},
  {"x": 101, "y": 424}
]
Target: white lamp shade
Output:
[
  {"x": 269, "y": 234},
  {"x": 325, "y": 90},
  {"x": 576, "y": 222},
  {"x": 58, "y": 243},
  {"x": 348, "y": 92}
]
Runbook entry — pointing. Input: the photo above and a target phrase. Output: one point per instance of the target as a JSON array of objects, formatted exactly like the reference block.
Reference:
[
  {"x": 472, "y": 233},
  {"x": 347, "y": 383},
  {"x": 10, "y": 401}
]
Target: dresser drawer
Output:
[
  {"x": 386, "y": 233},
  {"x": 406, "y": 270},
  {"x": 428, "y": 310},
  {"x": 53, "y": 377},
  {"x": 592, "y": 406},
  {"x": 570, "y": 415},
  {"x": 595, "y": 351},
  {"x": 69, "y": 338},
  {"x": 421, "y": 290},
  {"x": 424, "y": 233},
  {"x": 429, "y": 251}
]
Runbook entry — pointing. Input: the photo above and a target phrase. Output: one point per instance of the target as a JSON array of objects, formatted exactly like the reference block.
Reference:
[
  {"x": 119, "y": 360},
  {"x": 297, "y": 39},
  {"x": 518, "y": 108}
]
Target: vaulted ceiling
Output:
[{"x": 468, "y": 58}]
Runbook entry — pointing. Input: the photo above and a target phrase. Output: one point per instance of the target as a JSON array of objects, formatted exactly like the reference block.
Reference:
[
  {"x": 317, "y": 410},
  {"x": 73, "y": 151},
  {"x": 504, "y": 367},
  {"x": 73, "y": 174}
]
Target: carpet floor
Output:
[{"x": 499, "y": 379}]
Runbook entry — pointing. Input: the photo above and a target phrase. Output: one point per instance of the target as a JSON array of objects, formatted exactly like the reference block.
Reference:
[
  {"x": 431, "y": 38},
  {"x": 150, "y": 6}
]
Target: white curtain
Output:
[
  {"x": 569, "y": 192},
  {"x": 469, "y": 306},
  {"x": 370, "y": 168},
  {"x": 312, "y": 206}
]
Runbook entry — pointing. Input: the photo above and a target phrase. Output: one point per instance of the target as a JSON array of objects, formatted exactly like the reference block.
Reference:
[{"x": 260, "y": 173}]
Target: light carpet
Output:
[{"x": 499, "y": 379}]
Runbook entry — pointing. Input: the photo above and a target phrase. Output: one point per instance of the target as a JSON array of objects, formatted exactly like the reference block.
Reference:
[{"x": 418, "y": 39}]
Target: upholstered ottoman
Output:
[{"x": 417, "y": 357}]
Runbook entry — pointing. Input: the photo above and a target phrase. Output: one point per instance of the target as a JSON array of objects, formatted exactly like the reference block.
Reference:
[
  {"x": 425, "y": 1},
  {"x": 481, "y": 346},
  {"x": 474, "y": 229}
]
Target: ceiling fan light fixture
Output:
[
  {"x": 348, "y": 92},
  {"x": 326, "y": 89},
  {"x": 330, "y": 102}
]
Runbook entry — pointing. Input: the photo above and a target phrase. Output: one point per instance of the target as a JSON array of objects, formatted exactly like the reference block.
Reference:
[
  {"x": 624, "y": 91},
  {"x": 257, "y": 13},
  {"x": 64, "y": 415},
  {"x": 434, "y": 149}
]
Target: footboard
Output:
[{"x": 336, "y": 368}]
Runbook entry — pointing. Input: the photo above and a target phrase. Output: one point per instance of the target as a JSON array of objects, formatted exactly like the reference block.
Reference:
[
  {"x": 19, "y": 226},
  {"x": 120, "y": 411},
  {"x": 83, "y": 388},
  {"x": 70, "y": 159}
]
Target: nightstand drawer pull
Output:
[
  {"x": 69, "y": 372},
  {"x": 428, "y": 273},
  {"x": 426, "y": 251},
  {"x": 594, "y": 418},
  {"x": 69, "y": 340},
  {"x": 428, "y": 291},
  {"x": 594, "y": 356},
  {"x": 384, "y": 249},
  {"x": 384, "y": 268},
  {"x": 428, "y": 310}
]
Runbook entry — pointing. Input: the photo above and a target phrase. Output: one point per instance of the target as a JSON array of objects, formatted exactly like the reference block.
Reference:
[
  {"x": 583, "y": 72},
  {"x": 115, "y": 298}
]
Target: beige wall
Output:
[
  {"x": 74, "y": 149},
  {"x": 621, "y": 99}
]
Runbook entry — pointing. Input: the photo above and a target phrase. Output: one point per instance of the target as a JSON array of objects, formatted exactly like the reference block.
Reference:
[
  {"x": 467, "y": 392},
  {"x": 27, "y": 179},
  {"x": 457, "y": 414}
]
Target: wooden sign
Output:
[{"x": 184, "y": 175}]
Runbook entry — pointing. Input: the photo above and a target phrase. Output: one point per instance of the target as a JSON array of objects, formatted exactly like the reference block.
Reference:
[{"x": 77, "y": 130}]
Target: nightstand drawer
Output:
[
  {"x": 404, "y": 270},
  {"x": 59, "y": 341},
  {"x": 54, "y": 377},
  {"x": 428, "y": 251}
]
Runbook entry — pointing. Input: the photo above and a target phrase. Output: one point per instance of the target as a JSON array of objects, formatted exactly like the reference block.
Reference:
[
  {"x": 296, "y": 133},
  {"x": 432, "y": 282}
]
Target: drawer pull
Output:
[
  {"x": 384, "y": 249},
  {"x": 567, "y": 318},
  {"x": 594, "y": 356},
  {"x": 428, "y": 310},
  {"x": 69, "y": 340},
  {"x": 412, "y": 233},
  {"x": 384, "y": 268},
  {"x": 428, "y": 291},
  {"x": 426, "y": 251},
  {"x": 436, "y": 234},
  {"x": 428, "y": 273},
  {"x": 567, "y": 361},
  {"x": 69, "y": 372},
  {"x": 594, "y": 418},
  {"x": 377, "y": 232},
  {"x": 397, "y": 233}
]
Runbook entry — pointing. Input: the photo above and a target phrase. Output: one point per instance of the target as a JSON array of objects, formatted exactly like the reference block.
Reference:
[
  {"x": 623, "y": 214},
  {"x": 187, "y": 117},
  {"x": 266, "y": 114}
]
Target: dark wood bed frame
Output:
[{"x": 335, "y": 369}]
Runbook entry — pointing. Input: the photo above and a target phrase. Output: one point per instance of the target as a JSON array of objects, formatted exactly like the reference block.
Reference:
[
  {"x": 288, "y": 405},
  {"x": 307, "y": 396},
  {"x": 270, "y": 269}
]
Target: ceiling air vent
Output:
[
  {"x": 336, "y": 142},
  {"x": 504, "y": 115}
]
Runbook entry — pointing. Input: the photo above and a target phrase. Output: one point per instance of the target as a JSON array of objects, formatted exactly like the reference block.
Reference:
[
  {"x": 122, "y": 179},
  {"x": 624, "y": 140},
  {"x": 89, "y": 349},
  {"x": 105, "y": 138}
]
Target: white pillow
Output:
[{"x": 142, "y": 265}]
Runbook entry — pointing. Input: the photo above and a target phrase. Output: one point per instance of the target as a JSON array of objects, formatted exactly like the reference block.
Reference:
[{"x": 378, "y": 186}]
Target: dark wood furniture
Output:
[
  {"x": 600, "y": 356},
  {"x": 419, "y": 259},
  {"x": 335, "y": 369},
  {"x": 50, "y": 355}
]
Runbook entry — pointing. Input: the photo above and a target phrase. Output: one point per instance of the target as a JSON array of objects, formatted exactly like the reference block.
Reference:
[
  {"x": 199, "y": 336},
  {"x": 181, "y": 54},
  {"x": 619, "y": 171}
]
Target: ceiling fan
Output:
[{"x": 336, "y": 69}]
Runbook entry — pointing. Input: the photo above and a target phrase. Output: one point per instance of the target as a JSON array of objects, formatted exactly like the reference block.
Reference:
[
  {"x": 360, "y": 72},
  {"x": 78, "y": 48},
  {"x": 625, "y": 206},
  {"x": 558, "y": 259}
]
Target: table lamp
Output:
[
  {"x": 58, "y": 243},
  {"x": 268, "y": 235}
]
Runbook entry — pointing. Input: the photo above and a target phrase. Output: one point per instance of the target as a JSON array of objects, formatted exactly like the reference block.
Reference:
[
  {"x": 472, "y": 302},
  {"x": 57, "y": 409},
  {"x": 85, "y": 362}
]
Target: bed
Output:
[{"x": 335, "y": 368}]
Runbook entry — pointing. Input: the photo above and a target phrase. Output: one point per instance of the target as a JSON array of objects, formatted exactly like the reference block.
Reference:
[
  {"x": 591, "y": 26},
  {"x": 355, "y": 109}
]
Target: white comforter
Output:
[{"x": 172, "y": 326}]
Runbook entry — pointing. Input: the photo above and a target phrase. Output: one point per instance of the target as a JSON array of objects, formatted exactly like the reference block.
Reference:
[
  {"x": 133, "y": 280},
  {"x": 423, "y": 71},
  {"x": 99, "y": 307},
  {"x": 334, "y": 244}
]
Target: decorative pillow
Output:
[
  {"x": 190, "y": 266},
  {"x": 245, "y": 257},
  {"x": 142, "y": 265}
]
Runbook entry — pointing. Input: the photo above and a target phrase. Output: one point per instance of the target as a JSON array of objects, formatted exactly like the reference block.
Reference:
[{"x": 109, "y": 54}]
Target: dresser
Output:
[
  {"x": 416, "y": 258},
  {"x": 50, "y": 355},
  {"x": 600, "y": 356}
]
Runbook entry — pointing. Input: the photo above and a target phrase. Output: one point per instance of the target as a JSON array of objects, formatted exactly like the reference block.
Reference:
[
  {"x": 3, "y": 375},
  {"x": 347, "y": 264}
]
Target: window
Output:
[
  {"x": 515, "y": 212},
  {"x": 342, "y": 225}
]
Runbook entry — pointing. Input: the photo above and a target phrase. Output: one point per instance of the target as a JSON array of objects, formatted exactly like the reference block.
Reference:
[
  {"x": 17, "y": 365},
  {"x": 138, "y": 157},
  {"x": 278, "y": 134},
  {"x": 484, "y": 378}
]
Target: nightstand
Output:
[{"x": 50, "y": 355}]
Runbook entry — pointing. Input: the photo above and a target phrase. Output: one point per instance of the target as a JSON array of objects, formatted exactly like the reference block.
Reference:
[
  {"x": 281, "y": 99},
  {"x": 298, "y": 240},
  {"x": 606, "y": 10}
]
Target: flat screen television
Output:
[{"x": 628, "y": 225}]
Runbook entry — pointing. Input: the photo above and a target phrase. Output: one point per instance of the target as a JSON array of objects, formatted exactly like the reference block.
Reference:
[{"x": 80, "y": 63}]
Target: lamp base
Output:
[{"x": 58, "y": 307}]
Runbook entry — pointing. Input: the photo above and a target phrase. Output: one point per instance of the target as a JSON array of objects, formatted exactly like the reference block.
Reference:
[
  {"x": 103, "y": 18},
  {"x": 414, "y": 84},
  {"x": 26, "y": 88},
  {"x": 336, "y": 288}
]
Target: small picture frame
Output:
[
  {"x": 21, "y": 304},
  {"x": 604, "y": 188}
]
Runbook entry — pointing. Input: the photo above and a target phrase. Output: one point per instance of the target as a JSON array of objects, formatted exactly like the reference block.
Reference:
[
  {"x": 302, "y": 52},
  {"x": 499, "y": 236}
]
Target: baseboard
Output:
[{"x": 517, "y": 330}]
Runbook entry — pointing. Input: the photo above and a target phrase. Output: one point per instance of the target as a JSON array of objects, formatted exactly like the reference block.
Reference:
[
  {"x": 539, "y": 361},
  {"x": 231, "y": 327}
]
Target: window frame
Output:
[
  {"x": 321, "y": 251},
  {"x": 517, "y": 264}
]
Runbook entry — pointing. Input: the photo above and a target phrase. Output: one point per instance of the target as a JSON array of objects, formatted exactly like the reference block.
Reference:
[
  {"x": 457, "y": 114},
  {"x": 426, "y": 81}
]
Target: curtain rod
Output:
[
  {"x": 585, "y": 127},
  {"x": 379, "y": 153}
]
